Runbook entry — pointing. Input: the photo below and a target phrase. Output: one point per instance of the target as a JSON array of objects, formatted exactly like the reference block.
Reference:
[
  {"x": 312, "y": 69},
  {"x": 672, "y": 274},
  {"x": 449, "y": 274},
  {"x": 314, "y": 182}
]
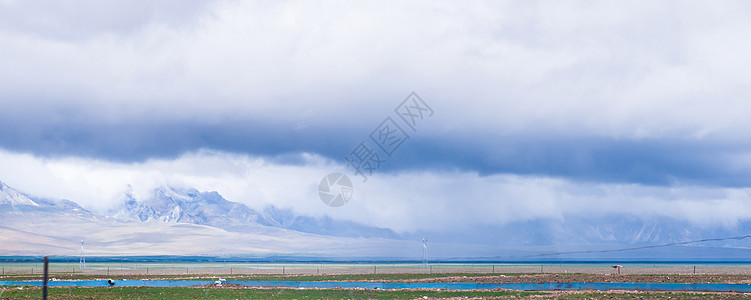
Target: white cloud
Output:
[
  {"x": 607, "y": 68},
  {"x": 405, "y": 202},
  {"x": 615, "y": 69}
]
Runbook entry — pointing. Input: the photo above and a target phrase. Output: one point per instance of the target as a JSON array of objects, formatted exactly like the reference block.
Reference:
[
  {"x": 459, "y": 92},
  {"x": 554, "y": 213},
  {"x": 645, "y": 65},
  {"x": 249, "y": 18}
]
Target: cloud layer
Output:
[
  {"x": 542, "y": 109},
  {"x": 139, "y": 80},
  {"x": 406, "y": 201}
]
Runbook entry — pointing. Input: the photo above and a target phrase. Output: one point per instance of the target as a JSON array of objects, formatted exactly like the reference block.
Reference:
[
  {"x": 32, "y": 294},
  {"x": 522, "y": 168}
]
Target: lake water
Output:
[{"x": 602, "y": 286}]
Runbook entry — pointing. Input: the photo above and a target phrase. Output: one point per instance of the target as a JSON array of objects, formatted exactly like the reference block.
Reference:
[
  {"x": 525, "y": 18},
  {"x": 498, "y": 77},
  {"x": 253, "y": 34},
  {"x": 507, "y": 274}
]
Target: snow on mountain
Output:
[
  {"x": 188, "y": 222},
  {"x": 171, "y": 223},
  {"x": 13, "y": 202},
  {"x": 11, "y": 197},
  {"x": 171, "y": 205},
  {"x": 49, "y": 233},
  {"x": 165, "y": 206}
]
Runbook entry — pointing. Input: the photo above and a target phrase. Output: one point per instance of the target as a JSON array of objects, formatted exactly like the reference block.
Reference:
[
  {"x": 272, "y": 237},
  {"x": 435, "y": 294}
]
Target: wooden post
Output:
[
  {"x": 282, "y": 270},
  {"x": 374, "y": 269},
  {"x": 493, "y": 269},
  {"x": 46, "y": 277},
  {"x": 108, "y": 271},
  {"x": 541, "y": 269},
  {"x": 694, "y": 270}
]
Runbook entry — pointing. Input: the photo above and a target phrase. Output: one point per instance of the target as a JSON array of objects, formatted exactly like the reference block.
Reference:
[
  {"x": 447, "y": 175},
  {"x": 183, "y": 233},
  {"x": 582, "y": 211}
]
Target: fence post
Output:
[{"x": 46, "y": 276}]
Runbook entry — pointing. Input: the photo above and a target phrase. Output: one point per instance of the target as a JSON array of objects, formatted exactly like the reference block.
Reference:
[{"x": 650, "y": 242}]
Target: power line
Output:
[{"x": 610, "y": 250}]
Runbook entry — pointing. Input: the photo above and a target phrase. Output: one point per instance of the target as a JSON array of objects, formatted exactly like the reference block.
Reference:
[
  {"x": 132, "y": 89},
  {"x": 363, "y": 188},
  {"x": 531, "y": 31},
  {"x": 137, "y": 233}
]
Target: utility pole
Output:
[
  {"x": 82, "y": 260},
  {"x": 424, "y": 252}
]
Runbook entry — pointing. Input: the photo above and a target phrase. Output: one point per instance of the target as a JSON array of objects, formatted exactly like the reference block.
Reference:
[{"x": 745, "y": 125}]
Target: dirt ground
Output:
[
  {"x": 621, "y": 294},
  {"x": 564, "y": 278}
]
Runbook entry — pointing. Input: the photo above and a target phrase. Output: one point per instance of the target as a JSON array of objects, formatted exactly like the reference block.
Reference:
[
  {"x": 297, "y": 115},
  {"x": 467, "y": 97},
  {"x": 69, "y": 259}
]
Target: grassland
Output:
[
  {"x": 420, "y": 277},
  {"x": 241, "y": 292},
  {"x": 247, "y": 293},
  {"x": 278, "y": 293}
]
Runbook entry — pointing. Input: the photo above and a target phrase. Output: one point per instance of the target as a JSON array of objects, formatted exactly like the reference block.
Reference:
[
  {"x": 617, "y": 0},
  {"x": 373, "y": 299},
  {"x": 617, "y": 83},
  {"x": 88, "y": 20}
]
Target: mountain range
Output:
[
  {"x": 173, "y": 221},
  {"x": 171, "y": 205},
  {"x": 177, "y": 222}
]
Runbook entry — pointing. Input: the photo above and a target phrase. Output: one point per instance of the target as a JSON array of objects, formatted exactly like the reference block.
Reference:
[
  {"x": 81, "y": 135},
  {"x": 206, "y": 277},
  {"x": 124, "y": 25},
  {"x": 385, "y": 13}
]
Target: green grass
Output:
[
  {"x": 681, "y": 278},
  {"x": 354, "y": 277},
  {"x": 230, "y": 293},
  {"x": 256, "y": 277},
  {"x": 278, "y": 293},
  {"x": 642, "y": 295}
]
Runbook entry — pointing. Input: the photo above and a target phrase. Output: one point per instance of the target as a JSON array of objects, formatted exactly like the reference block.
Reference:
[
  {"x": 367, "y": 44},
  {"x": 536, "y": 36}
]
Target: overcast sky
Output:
[{"x": 542, "y": 109}]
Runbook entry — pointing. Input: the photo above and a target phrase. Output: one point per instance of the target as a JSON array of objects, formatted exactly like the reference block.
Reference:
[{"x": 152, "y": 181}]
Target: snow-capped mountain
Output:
[
  {"x": 188, "y": 222},
  {"x": 14, "y": 202},
  {"x": 169, "y": 224},
  {"x": 190, "y": 206},
  {"x": 12, "y": 198},
  {"x": 171, "y": 205}
]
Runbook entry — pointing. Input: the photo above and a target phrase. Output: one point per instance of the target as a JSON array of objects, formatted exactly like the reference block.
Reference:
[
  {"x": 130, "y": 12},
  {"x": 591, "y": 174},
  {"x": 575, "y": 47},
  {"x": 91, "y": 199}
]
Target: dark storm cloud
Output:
[
  {"x": 650, "y": 162},
  {"x": 599, "y": 159},
  {"x": 141, "y": 139},
  {"x": 642, "y": 93}
]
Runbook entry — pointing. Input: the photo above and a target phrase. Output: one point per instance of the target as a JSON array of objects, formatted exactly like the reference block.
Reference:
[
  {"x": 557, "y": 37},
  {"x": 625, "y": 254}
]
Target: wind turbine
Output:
[
  {"x": 424, "y": 252},
  {"x": 82, "y": 261}
]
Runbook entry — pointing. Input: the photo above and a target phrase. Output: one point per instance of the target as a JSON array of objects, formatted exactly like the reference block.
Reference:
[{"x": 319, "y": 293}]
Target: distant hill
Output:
[
  {"x": 170, "y": 224},
  {"x": 189, "y": 222},
  {"x": 171, "y": 205}
]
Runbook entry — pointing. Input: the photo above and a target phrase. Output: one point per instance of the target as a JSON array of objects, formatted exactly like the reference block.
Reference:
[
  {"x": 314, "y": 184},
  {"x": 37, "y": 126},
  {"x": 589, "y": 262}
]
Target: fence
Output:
[{"x": 130, "y": 268}]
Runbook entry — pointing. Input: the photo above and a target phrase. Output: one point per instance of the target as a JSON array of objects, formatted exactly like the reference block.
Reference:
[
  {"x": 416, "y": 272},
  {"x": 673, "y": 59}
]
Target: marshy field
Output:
[{"x": 226, "y": 280}]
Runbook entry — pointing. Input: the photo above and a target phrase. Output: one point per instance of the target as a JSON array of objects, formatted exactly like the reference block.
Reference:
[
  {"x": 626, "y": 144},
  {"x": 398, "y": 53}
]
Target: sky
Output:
[{"x": 541, "y": 109}]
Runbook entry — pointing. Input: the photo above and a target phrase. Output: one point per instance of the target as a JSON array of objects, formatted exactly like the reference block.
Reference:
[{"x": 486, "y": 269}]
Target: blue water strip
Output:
[{"x": 600, "y": 286}]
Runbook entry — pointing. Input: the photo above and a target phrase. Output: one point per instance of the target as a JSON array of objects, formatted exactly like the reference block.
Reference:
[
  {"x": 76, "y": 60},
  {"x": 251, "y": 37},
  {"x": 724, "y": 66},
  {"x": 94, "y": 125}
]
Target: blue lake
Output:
[{"x": 602, "y": 286}]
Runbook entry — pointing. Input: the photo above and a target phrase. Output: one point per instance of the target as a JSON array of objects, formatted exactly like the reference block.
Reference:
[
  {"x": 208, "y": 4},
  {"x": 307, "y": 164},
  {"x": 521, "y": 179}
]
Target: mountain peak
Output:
[
  {"x": 10, "y": 196},
  {"x": 173, "y": 205}
]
